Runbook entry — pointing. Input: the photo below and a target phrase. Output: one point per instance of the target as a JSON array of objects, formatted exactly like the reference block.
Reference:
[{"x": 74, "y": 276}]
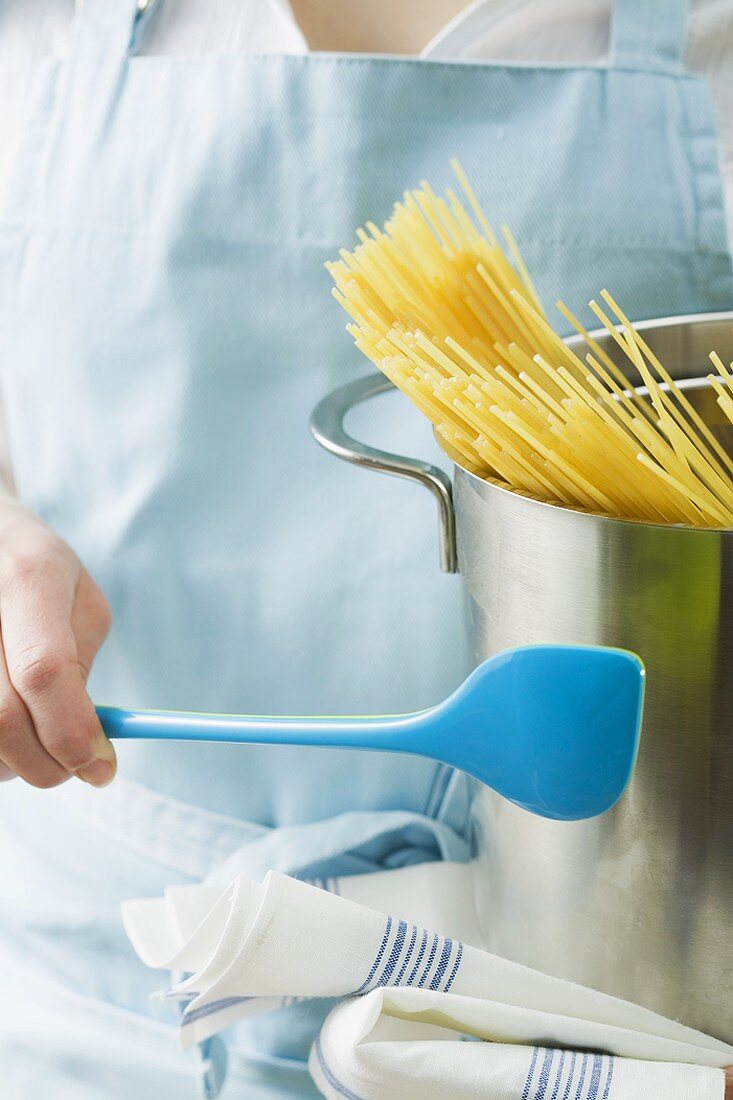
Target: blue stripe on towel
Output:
[
  {"x": 429, "y": 964},
  {"x": 581, "y": 1078},
  {"x": 214, "y": 1006},
  {"x": 333, "y": 1081},
  {"x": 380, "y": 954},
  {"x": 443, "y": 964},
  {"x": 558, "y": 1079},
  {"x": 544, "y": 1080},
  {"x": 530, "y": 1075},
  {"x": 569, "y": 1084},
  {"x": 595, "y": 1077},
  {"x": 456, "y": 968},
  {"x": 588, "y": 1084},
  {"x": 408, "y": 956},
  {"x": 609, "y": 1079},
  {"x": 394, "y": 955},
  {"x": 419, "y": 959}
]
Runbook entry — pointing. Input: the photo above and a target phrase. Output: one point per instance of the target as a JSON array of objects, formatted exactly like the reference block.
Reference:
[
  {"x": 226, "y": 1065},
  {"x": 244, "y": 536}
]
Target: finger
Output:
[
  {"x": 21, "y": 753},
  {"x": 43, "y": 666},
  {"x": 90, "y": 621}
]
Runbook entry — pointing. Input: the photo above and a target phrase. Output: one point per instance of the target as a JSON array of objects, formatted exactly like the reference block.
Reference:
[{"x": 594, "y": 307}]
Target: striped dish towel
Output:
[
  {"x": 412, "y": 997},
  {"x": 409, "y": 1044}
]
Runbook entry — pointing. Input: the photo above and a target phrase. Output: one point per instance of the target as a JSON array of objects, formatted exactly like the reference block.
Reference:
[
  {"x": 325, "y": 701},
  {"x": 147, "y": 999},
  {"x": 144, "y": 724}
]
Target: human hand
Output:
[
  {"x": 53, "y": 620},
  {"x": 729, "y": 1084}
]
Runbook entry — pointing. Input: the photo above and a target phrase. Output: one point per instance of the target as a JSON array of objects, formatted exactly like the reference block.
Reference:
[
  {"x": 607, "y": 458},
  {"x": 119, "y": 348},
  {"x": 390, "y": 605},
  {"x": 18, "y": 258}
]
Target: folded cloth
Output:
[
  {"x": 255, "y": 947},
  {"x": 409, "y": 1044}
]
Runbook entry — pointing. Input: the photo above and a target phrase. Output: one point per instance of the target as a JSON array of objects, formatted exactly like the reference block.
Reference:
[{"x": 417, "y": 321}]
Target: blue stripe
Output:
[
  {"x": 408, "y": 956},
  {"x": 377, "y": 961},
  {"x": 544, "y": 1075},
  {"x": 609, "y": 1079},
  {"x": 456, "y": 968},
  {"x": 581, "y": 1079},
  {"x": 209, "y": 1009},
  {"x": 595, "y": 1079},
  {"x": 330, "y": 1077},
  {"x": 443, "y": 964},
  {"x": 431, "y": 956},
  {"x": 568, "y": 1086},
  {"x": 394, "y": 955},
  {"x": 558, "y": 1079},
  {"x": 419, "y": 958},
  {"x": 530, "y": 1075}
]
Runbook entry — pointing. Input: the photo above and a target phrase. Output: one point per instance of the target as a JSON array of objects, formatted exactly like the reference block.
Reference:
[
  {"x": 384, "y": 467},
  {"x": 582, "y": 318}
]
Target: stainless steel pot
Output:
[{"x": 637, "y": 903}]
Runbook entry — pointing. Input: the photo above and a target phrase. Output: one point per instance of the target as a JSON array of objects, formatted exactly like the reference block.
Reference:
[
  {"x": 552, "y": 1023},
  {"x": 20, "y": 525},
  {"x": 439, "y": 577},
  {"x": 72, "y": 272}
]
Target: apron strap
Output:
[
  {"x": 113, "y": 25},
  {"x": 644, "y": 33},
  {"x": 648, "y": 34}
]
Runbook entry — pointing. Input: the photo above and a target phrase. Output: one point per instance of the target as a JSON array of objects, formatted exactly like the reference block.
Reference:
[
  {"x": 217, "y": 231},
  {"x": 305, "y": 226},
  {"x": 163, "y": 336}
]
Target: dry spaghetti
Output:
[{"x": 452, "y": 317}]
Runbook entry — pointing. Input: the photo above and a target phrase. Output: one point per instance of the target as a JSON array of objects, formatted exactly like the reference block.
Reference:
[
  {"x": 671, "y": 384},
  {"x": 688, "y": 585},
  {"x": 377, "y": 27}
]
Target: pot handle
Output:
[{"x": 327, "y": 427}]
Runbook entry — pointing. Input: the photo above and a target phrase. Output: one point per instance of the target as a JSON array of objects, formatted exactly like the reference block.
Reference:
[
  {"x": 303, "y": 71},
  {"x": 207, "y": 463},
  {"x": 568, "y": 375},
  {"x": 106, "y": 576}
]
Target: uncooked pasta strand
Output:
[
  {"x": 669, "y": 381},
  {"x": 454, "y": 320}
]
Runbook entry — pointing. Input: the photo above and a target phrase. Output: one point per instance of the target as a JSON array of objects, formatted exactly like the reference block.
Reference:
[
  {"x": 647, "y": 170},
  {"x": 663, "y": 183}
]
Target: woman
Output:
[{"x": 165, "y": 332}]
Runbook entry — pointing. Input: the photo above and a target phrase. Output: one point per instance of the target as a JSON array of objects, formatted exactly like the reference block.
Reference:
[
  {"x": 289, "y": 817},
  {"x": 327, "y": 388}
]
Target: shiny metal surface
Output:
[
  {"x": 327, "y": 428},
  {"x": 637, "y": 903}
]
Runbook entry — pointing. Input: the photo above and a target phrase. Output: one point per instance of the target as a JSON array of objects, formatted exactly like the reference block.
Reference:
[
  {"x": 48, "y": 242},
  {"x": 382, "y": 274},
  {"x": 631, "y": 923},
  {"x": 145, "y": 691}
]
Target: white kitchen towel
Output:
[
  {"x": 411, "y": 993},
  {"x": 410, "y": 1044}
]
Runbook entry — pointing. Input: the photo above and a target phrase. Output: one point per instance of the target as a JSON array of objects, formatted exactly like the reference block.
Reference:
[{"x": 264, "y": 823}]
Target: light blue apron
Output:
[{"x": 166, "y": 329}]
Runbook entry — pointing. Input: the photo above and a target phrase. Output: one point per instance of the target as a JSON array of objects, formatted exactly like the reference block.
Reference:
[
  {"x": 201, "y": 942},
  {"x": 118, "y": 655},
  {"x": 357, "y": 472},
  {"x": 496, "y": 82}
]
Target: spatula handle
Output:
[{"x": 392, "y": 733}]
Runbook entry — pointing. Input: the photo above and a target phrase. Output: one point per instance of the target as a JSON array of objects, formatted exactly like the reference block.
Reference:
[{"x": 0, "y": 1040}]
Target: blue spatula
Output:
[{"x": 553, "y": 728}]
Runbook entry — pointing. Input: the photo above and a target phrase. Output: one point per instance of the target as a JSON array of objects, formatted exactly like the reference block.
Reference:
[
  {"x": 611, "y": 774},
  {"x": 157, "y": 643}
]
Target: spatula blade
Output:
[{"x": 562, "y": 723}]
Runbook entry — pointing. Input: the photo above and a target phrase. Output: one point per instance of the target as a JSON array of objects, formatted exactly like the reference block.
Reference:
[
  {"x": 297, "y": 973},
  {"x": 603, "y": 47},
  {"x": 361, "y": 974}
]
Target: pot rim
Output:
[{"x": 699, "y": 382}]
